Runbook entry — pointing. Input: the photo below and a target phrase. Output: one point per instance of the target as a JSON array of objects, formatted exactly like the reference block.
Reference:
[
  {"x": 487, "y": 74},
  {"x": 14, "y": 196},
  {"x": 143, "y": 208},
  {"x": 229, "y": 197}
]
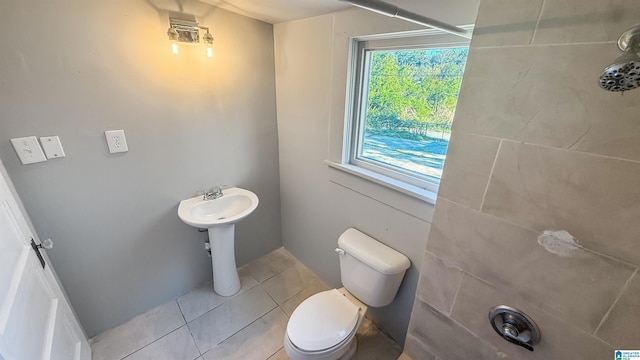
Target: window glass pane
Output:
[{"x": 411, "y": 96}]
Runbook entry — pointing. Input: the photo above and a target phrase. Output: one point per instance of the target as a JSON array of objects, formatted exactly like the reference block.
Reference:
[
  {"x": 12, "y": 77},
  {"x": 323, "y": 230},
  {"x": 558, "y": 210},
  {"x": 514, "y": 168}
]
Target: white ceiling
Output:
[
  {"x": 456, "y": 12},
  {"x": 276, "y": 11}
]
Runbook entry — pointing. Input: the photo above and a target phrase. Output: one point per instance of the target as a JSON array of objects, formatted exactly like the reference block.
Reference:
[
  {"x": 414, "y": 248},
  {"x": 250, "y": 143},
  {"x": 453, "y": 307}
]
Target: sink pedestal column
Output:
[{"x": 223, "y": 258}]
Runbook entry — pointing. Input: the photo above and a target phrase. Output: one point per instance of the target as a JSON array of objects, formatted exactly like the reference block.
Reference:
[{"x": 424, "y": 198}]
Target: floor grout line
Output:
[
  {"x": 194, "y": 340},
  {"x": 181, "y": 312},
  {"x": 154, "y": 341}
]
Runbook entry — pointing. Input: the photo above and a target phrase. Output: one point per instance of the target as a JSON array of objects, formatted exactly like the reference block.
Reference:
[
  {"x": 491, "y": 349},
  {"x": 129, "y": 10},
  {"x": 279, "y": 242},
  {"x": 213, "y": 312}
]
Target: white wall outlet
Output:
[
  {"x": 52, "y": 147},
  {"x": 116, "y": 141},
  {"x": 28, "y": 150}
]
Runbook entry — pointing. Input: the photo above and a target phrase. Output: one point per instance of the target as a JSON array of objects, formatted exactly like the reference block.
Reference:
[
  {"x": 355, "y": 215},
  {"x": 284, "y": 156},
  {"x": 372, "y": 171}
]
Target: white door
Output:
[{"x": 36, "y": 322}]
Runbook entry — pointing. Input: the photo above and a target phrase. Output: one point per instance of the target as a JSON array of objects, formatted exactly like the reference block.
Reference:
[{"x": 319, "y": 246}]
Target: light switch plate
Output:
[
  {"x": 52, "y": 147},
  {"x": 28, "y": 150},
  {"x": 116, "y": 141}
]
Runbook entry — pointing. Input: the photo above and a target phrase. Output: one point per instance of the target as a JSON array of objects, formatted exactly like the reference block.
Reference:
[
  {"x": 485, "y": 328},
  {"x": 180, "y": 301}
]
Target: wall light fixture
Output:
[{"x": 188, "y": 31}]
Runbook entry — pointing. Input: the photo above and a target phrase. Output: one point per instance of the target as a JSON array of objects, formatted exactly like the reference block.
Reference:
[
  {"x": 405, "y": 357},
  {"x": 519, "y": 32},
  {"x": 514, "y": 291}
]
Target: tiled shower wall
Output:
[{"x": 536, "y": 146}]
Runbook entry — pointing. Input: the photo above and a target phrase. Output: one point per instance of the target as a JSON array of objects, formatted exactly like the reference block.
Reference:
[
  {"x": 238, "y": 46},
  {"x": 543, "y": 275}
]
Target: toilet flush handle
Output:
[{"x": 340, "y": 251}]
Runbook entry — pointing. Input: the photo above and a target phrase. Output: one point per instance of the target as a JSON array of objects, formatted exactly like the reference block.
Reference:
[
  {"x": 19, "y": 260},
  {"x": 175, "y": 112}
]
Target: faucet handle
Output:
[
  {"x": 203, "y": 193},
  {"x": 221, "y": 187},
  {"x": 217, "y": 190}
]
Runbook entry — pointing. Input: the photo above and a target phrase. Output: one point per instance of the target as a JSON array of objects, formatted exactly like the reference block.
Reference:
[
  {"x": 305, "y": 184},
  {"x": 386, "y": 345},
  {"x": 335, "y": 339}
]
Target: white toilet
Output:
[{"x": 323, "y": 327}]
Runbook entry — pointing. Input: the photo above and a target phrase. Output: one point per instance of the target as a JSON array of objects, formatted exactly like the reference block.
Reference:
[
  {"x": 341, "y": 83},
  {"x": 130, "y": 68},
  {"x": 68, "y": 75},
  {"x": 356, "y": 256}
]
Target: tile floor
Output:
[{"x": 249, "y": 325}]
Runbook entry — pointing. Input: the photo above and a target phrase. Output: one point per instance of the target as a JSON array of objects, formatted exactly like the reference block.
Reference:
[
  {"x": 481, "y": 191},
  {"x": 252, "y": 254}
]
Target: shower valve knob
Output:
[{"x": 514, "y": 326}]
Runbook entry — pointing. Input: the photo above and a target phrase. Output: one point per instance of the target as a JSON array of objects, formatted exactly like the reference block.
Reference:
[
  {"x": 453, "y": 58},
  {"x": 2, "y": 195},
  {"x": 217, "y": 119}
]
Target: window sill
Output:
[{"x": 399, "y": 186}]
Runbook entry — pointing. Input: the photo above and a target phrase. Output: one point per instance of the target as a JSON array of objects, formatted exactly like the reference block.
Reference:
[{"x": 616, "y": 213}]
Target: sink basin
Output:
[
  {"x": 234, "y": 205},
  {"x": 219, "y": 216}
]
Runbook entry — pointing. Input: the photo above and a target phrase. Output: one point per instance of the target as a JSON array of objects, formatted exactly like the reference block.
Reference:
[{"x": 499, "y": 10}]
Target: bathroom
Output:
[{"x": 536, "y": 145}]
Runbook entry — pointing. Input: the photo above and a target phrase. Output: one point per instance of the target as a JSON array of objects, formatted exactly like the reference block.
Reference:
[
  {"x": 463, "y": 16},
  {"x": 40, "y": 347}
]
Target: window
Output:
[{"x": 402, "y": 98}]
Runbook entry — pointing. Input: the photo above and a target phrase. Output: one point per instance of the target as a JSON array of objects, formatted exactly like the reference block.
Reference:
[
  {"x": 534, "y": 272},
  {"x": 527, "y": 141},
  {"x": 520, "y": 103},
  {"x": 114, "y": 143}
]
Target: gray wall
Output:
[
  {"x": 537, "y": 145},
  {"x": 318, "y": 202},
  {"x": 75, "y": 69}
]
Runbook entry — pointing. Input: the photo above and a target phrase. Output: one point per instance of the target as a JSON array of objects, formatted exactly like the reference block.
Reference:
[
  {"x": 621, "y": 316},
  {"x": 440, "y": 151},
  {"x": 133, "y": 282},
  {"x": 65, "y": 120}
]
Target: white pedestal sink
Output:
[{"x": 219, "y": 216}]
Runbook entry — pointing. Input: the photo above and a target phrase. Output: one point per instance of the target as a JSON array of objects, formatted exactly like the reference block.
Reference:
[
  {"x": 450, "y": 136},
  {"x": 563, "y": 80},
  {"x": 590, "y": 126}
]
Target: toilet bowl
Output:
[{"x": 324, "y": 326}]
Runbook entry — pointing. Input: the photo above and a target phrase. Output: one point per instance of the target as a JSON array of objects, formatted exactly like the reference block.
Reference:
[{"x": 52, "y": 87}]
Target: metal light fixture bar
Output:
[
  {"x": 186, "y": 31},
  {"x": 388, "y": 9}
]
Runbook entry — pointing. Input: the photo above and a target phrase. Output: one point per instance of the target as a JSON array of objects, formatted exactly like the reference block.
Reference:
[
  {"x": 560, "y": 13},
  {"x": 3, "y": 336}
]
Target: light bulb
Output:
[
  {"x": 208, "y": 39},
  {"x": 173, "y": 36}
]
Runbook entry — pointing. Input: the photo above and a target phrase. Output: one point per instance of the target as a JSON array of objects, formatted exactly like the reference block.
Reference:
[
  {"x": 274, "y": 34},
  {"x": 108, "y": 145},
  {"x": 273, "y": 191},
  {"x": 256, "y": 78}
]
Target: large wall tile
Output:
[
  {"x": 415, "y": 350},
  {"x": 616, "y": 136},
  {"x": 621, "y": 326},
  {"x": 506, "y": 22},
  {"x": 445, "y": 338},
  {"x": 559, "y": 340},
  {"x": 577, "y": 21},
  {"x": 578, "y": 288},
  {"x": 438, "y": 282},
  {"x": 568, "y": 159},
  {"x": 596, "y": 199},
  {"x": 467, "y": 169},
  {"x": 548, "y": 95}
]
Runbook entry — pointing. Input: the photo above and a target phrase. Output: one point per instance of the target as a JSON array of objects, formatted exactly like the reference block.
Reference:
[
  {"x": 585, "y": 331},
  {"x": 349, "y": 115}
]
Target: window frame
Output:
[{"x": 360, "y": 48}]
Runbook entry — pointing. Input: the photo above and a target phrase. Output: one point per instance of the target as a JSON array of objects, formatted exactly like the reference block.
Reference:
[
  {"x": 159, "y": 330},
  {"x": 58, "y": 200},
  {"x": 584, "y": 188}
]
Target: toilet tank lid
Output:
[{"x": 372, "y": 252}]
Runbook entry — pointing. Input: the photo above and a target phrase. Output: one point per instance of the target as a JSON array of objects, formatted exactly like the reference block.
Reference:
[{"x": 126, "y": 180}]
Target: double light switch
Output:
[{"x": 30, "y": 152}]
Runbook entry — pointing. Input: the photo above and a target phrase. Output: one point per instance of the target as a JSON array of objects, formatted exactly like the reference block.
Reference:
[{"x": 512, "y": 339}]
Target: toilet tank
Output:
[{"x": 370, "y": 270}]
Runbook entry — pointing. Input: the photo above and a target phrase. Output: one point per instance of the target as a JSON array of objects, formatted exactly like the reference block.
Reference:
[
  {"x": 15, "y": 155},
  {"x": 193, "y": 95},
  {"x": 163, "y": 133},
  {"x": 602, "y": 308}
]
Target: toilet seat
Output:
[{"x": 323, "y": 321}]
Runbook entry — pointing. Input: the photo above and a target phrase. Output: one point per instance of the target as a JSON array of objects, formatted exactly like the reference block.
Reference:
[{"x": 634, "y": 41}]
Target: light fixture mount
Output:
[
  {"x": 184, "y": 28},
  {"x": 185, "y": 31}
]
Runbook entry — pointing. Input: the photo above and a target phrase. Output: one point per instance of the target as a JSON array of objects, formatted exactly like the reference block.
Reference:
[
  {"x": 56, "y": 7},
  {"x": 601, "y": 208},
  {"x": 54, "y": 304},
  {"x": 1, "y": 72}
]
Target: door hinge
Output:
[{"x": 36, "y": 248}]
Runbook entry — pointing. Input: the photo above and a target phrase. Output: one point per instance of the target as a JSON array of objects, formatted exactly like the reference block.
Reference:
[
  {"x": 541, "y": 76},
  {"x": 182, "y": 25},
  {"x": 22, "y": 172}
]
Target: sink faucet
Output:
[{"x": 213, "y": 193}]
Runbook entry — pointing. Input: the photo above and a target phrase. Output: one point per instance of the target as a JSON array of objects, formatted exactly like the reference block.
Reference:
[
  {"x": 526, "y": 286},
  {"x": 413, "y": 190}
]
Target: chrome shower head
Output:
[{"x": 624, "y": 73}]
